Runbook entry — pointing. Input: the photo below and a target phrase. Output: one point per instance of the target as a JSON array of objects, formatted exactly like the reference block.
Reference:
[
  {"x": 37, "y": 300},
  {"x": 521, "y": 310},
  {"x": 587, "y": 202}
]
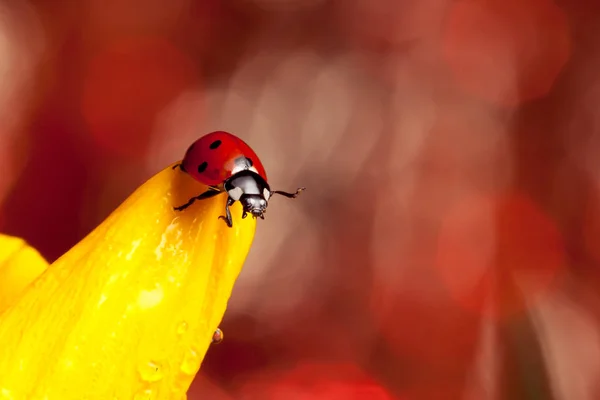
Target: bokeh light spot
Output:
[
  {"x": 411, "y": 328},
  {"x": 506, "y": 51},
  {"x": 19, "y": 86},
  {"x": 126, "y": 86},
  {"x": 487, "y": 245},
  {"x": 335, "y": 381}
]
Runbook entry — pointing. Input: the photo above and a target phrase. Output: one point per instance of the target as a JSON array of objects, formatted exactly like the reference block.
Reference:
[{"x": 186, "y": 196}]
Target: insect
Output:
[
  {"x": 217, "y": 337},
  {"x": 226, "y": 163}
]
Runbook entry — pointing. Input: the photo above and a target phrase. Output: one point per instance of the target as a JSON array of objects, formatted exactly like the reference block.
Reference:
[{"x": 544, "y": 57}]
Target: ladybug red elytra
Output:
[{"x": 226, "y": 163}]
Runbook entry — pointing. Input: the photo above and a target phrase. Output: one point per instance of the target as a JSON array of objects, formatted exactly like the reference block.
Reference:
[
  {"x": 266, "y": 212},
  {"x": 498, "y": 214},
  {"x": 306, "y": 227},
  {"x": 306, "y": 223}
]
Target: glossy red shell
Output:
[{"x": 213, "y": 158}]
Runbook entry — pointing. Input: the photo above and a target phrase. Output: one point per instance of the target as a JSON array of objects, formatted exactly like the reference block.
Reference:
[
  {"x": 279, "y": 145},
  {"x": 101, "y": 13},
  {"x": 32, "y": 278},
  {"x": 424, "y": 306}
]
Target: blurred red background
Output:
[{"x": 448, "y": 244}]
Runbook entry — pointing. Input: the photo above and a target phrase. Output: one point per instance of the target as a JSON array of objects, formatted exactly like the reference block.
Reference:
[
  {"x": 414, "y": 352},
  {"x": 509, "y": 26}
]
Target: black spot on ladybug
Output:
[
  {"x": 202, "y": 167},
  {"x": 215, "y": 144},
  {"x": 250, "y": 163}
]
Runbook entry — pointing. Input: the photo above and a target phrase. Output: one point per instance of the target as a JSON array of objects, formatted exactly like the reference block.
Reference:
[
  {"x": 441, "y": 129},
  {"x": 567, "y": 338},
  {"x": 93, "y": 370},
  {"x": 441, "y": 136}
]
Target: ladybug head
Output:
[
  {"x": 254, "y": 204},
  {"x": 250, "y": 189}
]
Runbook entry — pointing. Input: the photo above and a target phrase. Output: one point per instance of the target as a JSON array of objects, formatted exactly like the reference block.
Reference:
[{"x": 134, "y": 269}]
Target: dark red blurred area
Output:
[{"x": 447, "y": 245}]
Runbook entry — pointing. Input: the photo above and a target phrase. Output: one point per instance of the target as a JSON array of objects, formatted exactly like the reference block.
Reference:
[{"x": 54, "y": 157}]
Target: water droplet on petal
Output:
[
  {"x": 182, "y": 328},
  {"x": 191, "y": 362},
  {"x": 150, "y": 371},
  {"x": 217, "y": 336}
]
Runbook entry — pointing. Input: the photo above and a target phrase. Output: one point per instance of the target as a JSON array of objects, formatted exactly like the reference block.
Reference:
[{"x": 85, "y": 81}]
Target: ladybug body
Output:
[
  {"x": 225, "y": 163},
  {"x": 217, "y": 156}
]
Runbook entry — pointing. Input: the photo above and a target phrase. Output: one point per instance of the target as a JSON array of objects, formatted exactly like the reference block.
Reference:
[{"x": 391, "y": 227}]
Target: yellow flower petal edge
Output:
[
  {"x": 128, "y": 312},
  {"x": 20, "y": 264}
]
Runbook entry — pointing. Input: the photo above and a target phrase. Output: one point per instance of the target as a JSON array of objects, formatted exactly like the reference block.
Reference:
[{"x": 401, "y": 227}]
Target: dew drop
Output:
[
  {"x": 143, "y": 395},
  {"x": 150, "y": 371},
  {"x": 182, "y": 328},
  {"x": 217, "y": 336},
  {"x": 191, "y": 362}
]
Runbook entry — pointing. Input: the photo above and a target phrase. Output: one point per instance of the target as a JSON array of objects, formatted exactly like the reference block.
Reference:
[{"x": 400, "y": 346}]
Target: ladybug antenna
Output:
[{"x": 288, "y": 195}]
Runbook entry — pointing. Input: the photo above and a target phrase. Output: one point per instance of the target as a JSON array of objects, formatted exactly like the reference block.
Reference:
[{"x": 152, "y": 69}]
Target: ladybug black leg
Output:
[
  {"x": 209, "y": 193},
  {"x": 180, "y": 166},
  {"x": 227, "y": 217},
  {"x": 286, "y": 194}
]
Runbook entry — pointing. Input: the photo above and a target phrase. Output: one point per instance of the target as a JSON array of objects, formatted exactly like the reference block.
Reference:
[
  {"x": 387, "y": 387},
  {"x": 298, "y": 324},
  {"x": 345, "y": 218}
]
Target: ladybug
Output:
[{"x": 226, "y": 163}]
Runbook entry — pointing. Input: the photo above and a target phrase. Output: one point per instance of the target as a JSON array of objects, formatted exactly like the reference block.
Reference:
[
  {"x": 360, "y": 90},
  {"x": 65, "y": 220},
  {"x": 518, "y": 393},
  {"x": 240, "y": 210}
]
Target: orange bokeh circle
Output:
[
  {"x": 506, "y": 51},
  {"x": 498, "y": 254},
  {"x": 314, "y": 381},
  {"x": 429, "y": 335}
]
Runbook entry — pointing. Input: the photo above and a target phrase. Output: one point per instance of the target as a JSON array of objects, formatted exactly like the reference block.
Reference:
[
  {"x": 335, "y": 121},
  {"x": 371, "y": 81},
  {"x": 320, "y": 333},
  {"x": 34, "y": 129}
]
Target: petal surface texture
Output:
[{"x": 128, "y": 312}]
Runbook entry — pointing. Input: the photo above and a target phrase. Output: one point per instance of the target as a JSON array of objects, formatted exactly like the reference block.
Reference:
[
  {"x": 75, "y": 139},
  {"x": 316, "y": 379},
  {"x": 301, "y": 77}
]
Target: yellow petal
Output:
[
  {"x": 20, "y": 264},
  {"x": 129, "y": 312}
]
